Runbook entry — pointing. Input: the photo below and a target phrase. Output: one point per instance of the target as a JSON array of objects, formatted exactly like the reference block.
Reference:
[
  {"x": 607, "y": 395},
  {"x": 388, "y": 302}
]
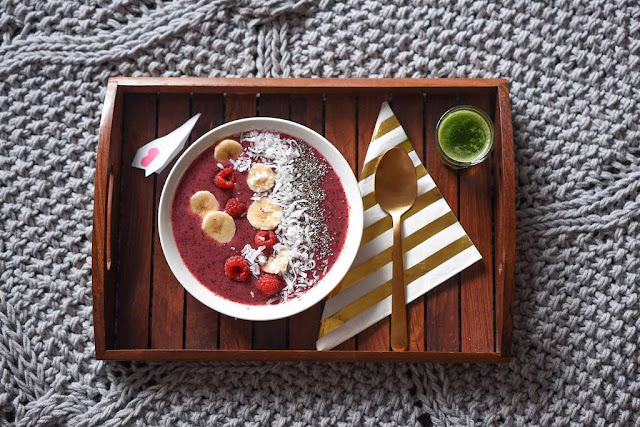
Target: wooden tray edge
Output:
[
  {"x": 98, "y": 243},
  {"x": 508, "y": 223},
  {"x": 303, "y": 356},
  {"x": 118, "y": 85},
  {"x": 281, "y": 85}
]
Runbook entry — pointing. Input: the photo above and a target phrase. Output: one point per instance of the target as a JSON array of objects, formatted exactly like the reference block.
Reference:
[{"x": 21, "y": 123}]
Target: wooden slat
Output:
[
  {"x": 376, "y": 337},
  {"x": 272, "y": 335},
  {"x": 167, "y": 299},
  {"x": 505, "y": 221},
  {"x": 476, "y": 286},
  {"x": 304, "y": 327},
  {"x": 211, "y": 108},
  {"x": 340, "y": 130},
  {"x": 136, "y": 222},
  {"x": 235, "y": 334},
  {"x": 442, "y": 303},
  {"x": 409, "y": 110},
  {"x": 201, "y": 330}
]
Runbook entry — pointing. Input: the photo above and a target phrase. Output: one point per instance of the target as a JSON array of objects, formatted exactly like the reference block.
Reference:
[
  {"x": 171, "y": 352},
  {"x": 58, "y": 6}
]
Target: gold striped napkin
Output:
[{"x": 434, "y": 243}]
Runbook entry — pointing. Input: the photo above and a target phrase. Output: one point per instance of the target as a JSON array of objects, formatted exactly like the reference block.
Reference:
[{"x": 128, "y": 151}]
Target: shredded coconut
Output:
[
  {"x": 252, "y": 255},
  {"x": 242, "y": 163},
  {"x": 301, "y": 229}
]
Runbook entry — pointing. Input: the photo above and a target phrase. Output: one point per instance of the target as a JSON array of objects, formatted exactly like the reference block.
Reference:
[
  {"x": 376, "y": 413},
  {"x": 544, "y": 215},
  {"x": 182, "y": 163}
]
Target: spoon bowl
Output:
[{"x": 396, "y": 185}]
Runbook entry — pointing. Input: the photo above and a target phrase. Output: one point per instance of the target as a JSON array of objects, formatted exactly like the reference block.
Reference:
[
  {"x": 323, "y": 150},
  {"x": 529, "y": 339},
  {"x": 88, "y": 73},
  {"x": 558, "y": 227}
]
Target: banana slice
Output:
[
  {"x": 203, "y": 202},
  {"x": 277, "y": 264},
  {"x": 260, "y": 178},
  {"x": 227, "y": 149},
  {"x": 219, "y": 226},
  {"x": 264, "y": 214}
]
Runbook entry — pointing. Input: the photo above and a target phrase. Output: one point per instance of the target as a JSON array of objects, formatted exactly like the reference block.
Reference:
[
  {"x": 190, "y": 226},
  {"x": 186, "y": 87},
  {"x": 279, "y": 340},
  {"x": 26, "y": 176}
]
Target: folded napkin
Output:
[
  {"x": 434, "y": 243},
  {"x": 154, "y": 156}
]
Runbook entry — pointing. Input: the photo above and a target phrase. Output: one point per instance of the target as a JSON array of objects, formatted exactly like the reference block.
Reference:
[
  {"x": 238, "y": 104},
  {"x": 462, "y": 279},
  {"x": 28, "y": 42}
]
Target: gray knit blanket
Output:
[{"x": 574, "y": 69}]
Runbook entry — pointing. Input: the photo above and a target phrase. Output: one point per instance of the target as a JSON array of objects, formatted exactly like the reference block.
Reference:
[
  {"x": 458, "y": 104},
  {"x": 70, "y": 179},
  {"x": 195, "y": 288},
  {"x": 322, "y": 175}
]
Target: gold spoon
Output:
[{"x": 396, "y": 188}]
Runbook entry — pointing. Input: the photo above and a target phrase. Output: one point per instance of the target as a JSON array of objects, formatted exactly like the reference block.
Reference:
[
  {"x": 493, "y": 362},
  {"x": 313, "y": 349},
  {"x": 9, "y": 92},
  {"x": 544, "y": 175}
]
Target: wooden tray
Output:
[{"x": 142, "y": 313}]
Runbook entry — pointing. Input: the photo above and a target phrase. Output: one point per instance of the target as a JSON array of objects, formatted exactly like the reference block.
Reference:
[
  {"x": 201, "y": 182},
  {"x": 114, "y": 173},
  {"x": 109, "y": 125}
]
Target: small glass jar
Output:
[{"x": 458, "y": 136}]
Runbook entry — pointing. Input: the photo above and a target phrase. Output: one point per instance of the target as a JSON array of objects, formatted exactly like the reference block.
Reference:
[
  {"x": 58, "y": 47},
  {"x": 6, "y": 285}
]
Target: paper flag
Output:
[
  {"x": 157, "y": 154},
  {"x": 435, "y": 245}
]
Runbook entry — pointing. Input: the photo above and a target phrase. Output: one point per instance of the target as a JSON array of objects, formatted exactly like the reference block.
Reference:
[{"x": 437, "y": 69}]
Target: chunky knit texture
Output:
[{"x": 575, "y": 71}]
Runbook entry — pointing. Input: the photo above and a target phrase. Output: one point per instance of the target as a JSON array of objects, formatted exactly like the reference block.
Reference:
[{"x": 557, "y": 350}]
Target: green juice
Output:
[{"x": 465, "y": 136}]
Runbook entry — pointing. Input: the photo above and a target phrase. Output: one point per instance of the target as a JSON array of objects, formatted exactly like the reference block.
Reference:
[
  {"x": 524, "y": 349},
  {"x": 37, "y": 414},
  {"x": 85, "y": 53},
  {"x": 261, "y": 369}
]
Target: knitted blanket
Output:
[{"x": 574, "y": 69}]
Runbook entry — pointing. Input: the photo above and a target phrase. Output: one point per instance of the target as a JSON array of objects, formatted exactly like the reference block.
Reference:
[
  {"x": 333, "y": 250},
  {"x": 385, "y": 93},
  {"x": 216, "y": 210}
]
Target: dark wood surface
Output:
[
  {"x": 201, "y": 323},
  {"x": 142, "y": 313},
  {"x": 136, "y": 225},
  {"x": 167, "y": 300},
  {"x": 476, "y": 214},
  {"x": 340, "y": 128},
  {"x": 443, "y": 302}
]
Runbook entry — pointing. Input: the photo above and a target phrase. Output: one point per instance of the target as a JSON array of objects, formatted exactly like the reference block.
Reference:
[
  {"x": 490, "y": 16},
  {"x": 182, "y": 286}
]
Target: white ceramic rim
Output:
[{"x": 325, "y": 285}]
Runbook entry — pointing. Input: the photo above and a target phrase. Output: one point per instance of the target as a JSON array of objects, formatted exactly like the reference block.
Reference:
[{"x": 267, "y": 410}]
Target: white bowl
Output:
[{"x": 325, "y": 285}]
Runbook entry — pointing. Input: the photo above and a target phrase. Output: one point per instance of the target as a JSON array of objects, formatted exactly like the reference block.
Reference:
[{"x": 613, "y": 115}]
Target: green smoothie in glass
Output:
[{"x": 464, "y": 136}]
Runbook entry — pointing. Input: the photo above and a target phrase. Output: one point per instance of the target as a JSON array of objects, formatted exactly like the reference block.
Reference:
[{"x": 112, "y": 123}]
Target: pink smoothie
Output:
[{"x": 205, "y": 257}]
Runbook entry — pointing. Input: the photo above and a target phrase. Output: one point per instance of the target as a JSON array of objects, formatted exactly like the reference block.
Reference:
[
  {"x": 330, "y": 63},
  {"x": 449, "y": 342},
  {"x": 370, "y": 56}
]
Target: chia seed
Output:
[{"x": 312, "y": 173}]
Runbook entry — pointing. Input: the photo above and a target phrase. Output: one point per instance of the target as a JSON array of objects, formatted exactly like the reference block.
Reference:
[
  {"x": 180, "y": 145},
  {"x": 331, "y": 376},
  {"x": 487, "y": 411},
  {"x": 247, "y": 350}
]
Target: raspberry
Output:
[
  {"x": 236, "y": 268},
  {"x": 235, "y": 207},
  {"x": 266, "y": 238},
  {"x": 225, "y": 179},
  {"x": 270, "y": 284}
]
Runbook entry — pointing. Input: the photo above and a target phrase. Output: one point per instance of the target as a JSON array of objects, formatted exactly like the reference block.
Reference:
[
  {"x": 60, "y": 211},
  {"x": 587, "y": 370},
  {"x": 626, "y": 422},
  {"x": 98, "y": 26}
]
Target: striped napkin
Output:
[{"x": 435, "y": 246}]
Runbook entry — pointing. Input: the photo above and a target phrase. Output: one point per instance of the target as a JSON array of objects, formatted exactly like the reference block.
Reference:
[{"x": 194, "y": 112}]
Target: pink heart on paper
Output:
[{"x": 152, "y": 154}]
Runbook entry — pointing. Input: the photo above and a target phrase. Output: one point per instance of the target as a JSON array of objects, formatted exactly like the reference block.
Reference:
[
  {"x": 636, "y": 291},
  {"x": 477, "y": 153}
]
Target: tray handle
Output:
[{"x": 109, "y": 226}]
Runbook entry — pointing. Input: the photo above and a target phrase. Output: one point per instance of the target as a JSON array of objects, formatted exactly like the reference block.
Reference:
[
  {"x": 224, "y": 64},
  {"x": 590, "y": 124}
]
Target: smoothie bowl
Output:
[{"x": 260, "y": 218}]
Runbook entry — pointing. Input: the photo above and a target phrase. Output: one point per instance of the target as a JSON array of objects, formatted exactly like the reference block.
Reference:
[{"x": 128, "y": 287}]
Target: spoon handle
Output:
[{"x": 398, "y": 299}]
